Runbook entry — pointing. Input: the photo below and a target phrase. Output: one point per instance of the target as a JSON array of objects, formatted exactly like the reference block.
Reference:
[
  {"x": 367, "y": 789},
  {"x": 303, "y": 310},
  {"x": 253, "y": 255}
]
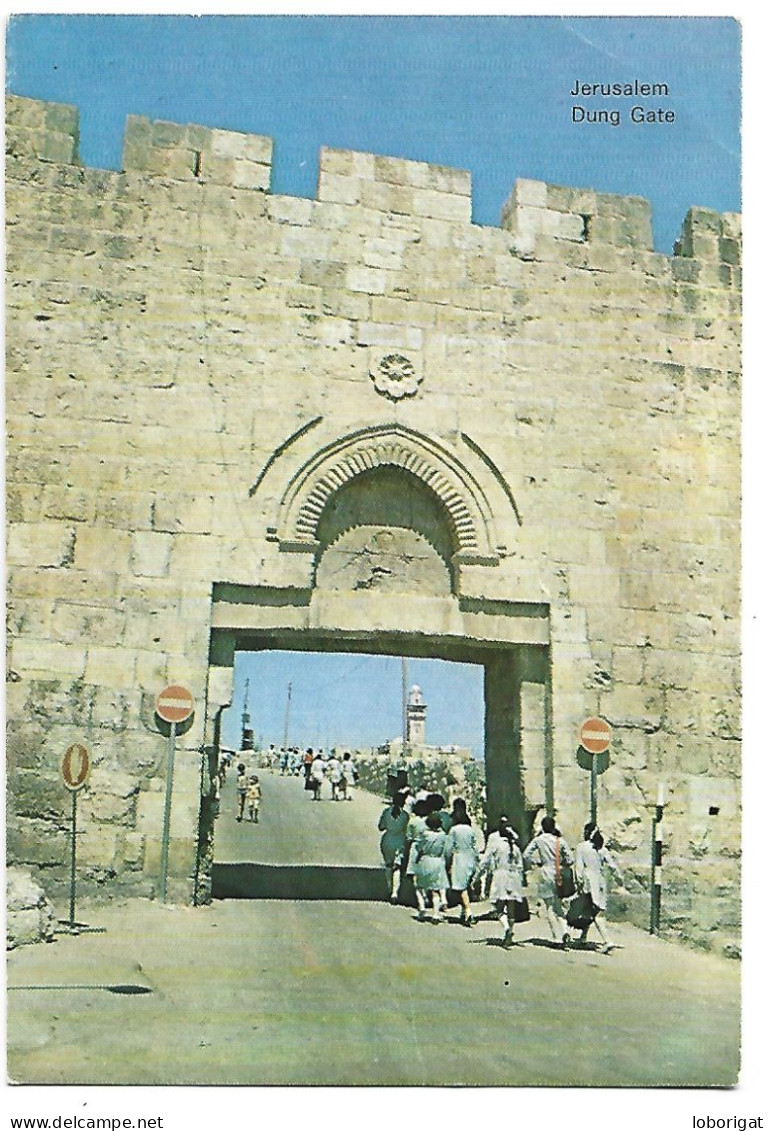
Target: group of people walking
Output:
[
  {"x": 315, "y": 768},
  {"x": 439, "y": 850},
  {"x": 340, "y": 772}
]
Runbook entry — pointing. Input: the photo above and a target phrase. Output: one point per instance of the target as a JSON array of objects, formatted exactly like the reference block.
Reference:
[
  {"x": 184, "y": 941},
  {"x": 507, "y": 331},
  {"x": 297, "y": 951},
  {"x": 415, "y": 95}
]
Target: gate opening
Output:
[
  {"x": 505, "y": 643},
  {"x": 373, "y": 720}
]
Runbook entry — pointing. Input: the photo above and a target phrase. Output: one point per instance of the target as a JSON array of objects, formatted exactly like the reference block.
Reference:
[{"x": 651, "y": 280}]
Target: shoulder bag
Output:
[{"x": 565, "y": 885}]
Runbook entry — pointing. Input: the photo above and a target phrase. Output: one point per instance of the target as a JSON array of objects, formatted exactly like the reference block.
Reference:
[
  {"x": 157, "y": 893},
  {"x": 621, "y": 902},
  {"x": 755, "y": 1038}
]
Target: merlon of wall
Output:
[
  {"x": 391, "y": 184},
  {"x": 223, "y": 157},
  {"x": 535, "y": 208},
  {"x": 46, "y": 130},
  {"x": 710, "y": 236}
]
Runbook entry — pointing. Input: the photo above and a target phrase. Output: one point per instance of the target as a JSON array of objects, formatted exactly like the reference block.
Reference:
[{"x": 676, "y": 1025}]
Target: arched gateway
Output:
[
  {"x": 381, "y": 526},
  {"x": 243, "y": 420}
]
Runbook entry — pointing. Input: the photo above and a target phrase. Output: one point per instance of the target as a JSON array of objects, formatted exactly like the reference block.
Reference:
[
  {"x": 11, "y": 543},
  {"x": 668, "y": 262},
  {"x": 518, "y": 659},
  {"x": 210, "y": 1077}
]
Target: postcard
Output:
[{"x": 374, "y": 568}]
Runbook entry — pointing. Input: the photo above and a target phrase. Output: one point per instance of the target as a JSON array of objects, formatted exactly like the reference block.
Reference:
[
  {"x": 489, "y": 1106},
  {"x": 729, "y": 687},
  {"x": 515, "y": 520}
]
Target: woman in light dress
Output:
[
  {"x": 348, "y": 778},
  {"x": 317, "y": 776},
  {"x": 547, "y": 851},
  {"x": 503, "y": 860},
  {"x": 416, "y": 826},
  {"x": 393, "y": 823},
  {"x": 335, "y": 774},
  {"x": 462, "y": 857},
  {"x": 430, "y": 873},
  {"x": 592, "y": 860}
]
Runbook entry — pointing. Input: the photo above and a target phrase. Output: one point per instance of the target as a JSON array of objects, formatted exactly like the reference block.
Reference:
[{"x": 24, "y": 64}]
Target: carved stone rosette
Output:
[{"x": 396, "y": 377}]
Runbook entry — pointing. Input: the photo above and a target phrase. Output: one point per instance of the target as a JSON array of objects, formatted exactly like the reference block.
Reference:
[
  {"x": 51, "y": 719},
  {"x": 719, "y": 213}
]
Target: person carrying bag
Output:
[
  {"x": 593, "y": 859},
  {"x": 565, "y": 882},
  {"x": 549, "y": 854}
]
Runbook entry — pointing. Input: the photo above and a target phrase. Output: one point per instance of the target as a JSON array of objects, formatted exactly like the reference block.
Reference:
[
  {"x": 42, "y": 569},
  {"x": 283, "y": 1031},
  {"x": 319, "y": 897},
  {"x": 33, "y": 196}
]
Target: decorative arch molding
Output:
[{"x": 462, "y": 496}]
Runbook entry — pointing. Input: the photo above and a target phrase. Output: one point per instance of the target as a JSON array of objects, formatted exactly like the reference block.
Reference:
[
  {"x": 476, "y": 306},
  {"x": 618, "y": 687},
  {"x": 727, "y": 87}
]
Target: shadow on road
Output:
[{"x": 297, "y": 881}]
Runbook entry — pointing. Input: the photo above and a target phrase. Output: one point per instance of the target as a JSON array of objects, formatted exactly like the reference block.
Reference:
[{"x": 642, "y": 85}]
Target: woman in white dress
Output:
[
  {"x": 503, "y": 860},
  {"x": 317, "y": 776},
  {"x": 349, "y": 777},
  {"x": 547, "y": 852},
  {"x": 430, "y": 866},
  {"x": 592, "y": 860},
  {"x": 335, "y": 773},
  {"x": 416, "y": 826},
  {"x": 392, "y": 823},
  {"x": 462, "y": 857}
]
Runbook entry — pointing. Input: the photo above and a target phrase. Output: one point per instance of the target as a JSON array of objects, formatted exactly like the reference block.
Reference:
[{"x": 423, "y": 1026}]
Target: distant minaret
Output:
[
  {"x": 416, "y": 717},
  {"x": 248, "y": 736}
]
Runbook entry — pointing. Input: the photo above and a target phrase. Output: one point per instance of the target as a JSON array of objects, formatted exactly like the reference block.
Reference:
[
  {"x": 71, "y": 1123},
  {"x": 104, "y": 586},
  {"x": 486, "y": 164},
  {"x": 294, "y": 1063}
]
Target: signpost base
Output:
[{"x": 67, "y": 928}]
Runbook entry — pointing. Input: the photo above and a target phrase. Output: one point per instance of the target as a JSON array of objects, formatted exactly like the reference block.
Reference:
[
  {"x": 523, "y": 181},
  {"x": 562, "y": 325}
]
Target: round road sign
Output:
[
  {"x": 595, "y": 735},
  {"x": 174, "y": 704},
  {"x": 76, "y": 766}
]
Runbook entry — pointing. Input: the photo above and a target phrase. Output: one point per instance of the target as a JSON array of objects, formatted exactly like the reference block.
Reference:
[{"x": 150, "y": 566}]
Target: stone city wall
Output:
[{"x": 180, "y": 339}]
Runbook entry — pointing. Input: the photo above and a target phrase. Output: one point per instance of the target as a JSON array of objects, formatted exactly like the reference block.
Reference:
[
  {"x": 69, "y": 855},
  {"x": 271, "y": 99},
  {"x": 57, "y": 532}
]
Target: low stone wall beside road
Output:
[
  {"x": 446, "y": 774},
  {"x": 31, "y": 916}
]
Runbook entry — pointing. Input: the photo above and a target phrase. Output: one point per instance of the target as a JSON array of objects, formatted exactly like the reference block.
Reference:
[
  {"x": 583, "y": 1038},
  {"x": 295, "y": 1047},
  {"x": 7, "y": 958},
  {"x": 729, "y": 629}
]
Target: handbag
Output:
[
  {"x": 565, "y": 885},
  {"x": 581, "y": 911},
  {"x": 521, "y": 913}
]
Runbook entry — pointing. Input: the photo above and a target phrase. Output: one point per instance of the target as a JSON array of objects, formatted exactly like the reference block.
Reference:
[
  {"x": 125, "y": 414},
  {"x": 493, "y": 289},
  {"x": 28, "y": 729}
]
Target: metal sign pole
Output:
[
  {"x": 593, "y": 781},
  {"x": 76, "y": 766},
  {"x": 656, "y": 873},
  {"x": 167, "y": 811},
  {"x": 72, "y": 860},
  {"x": 287, "y": 716}
]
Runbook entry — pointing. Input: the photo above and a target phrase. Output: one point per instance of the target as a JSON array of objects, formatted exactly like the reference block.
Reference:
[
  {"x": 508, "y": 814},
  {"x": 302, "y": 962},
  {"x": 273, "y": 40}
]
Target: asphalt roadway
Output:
[
  {"x": 339, "y": 992},
  {"x": 293, "y": 829}
]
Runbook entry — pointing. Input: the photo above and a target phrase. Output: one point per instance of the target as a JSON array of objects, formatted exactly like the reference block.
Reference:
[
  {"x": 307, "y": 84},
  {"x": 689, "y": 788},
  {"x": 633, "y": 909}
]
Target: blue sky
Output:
[
  {"x": 489, "y": 94},
  {"x": 352, "y": 700}
]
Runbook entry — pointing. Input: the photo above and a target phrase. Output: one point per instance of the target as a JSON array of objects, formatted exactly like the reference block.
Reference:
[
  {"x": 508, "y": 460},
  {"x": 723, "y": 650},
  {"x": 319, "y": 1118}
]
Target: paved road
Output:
[
  {"x": 336, "y": 992},
  {"x": 278, "y": 992},
  {"x": 293, "y": 829}
]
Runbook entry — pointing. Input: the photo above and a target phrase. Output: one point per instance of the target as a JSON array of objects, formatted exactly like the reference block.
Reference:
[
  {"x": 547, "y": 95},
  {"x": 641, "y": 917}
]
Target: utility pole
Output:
[
  {"x": 404, "y": 663},
  {"x": 287, "y": 713},
  {"x": 248, "y": 738}
]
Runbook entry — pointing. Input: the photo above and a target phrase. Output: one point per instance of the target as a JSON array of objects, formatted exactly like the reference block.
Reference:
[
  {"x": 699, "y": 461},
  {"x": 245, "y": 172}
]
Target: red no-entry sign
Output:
[
  {"x": 174, "y": 704},
  {"x": 595, "y": 735}
]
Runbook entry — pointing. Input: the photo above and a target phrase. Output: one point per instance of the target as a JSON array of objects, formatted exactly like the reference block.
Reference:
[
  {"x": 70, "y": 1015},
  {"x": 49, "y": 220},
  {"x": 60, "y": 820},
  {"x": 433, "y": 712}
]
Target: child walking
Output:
[
  {"x": 241, "y": 790},
  {"x": 253, "y": 799}
]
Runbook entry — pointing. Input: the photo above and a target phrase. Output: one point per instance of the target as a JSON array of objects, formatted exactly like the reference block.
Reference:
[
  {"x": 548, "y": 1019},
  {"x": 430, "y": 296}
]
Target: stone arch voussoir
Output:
[{"x": 451, "y": 480}]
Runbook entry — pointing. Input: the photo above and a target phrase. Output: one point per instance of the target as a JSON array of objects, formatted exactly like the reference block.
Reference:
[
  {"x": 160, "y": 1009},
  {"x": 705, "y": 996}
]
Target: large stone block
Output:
[
  {"x": 41, "y": 544},
  {"x": 37, "y": 843},
  {"x": 41, "y": 658},
  {"x": 150, "y": 553}
]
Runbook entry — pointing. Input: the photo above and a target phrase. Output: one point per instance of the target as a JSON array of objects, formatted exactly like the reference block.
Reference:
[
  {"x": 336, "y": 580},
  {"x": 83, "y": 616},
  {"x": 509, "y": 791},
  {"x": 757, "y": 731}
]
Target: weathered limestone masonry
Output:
[{"x": 244, "y": 420}]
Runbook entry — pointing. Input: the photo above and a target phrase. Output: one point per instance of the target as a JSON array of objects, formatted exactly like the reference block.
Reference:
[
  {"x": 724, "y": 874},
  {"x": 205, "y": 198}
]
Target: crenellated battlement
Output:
[{"x": 534, "y": 212}]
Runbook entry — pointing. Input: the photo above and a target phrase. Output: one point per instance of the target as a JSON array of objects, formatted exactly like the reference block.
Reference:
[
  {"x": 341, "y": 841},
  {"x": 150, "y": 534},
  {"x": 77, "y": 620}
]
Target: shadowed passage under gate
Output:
[{"x": 299, "y": 849}]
